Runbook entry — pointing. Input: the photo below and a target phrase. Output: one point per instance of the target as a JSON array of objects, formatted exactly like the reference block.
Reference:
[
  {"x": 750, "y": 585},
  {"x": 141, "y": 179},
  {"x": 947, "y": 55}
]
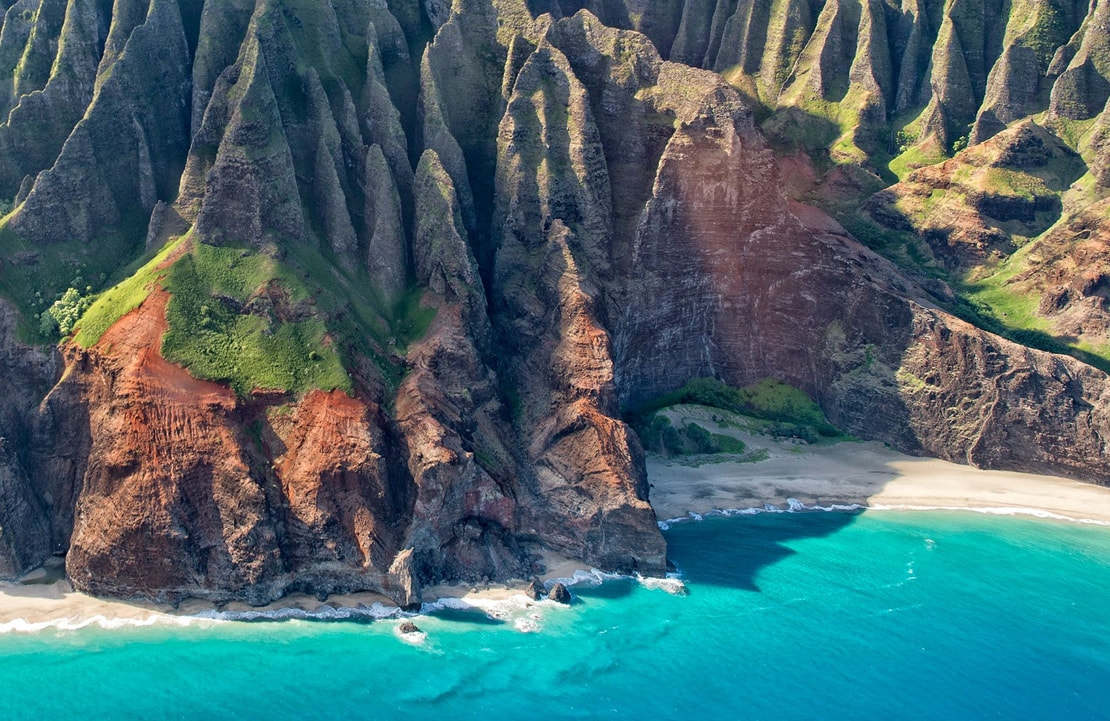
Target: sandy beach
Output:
[
  {"x": 33, "y": 605},
  {"x": 861, "y": 473},
  {"x": 850, "y": 472},
  {"x": 45, "y": 599}
]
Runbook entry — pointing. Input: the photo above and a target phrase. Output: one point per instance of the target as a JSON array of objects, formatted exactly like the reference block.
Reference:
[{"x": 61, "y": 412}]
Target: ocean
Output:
[{"x": 875, "y": 615}]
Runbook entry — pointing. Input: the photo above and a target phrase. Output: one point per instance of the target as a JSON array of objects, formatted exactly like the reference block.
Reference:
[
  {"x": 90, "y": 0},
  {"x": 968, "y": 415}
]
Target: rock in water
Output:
[
  {"x": 535, "y": 590},
  {"x": 408, "y": 627},
  {"x": 559, "y": 593}
]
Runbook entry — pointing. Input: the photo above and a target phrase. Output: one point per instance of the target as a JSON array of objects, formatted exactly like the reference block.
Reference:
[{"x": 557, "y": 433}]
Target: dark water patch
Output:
[{"x": 732, "y": 552}]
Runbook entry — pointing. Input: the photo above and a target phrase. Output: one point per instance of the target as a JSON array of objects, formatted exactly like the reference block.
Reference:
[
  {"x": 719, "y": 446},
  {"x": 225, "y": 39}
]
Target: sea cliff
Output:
[{"x": 354, "y": 295}]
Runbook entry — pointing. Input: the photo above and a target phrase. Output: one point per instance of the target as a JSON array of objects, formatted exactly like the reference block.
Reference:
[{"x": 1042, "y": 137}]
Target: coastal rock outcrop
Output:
[{"x": 559, "y": 594}]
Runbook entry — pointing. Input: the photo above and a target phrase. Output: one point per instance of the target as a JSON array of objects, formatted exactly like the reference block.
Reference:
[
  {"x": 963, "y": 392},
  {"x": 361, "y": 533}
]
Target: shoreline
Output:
[
  {"x": 847, "y": 476},
  {"x": 43, "y": 601},
  {"x": 866, "y": 474}
]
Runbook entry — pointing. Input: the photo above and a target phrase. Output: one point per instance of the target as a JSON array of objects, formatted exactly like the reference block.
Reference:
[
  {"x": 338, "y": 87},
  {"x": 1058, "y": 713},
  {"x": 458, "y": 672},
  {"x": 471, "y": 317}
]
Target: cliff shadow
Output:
[
  {"x": 732, "y": 547},
  {"x": 732, "y": 552}
]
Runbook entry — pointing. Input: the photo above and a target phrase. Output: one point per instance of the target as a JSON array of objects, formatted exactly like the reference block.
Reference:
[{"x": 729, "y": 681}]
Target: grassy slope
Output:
[
  {"x": 220, "y": 331},
  {"x": 253, "y": 321},
  {"x": 213, "y": 329}
]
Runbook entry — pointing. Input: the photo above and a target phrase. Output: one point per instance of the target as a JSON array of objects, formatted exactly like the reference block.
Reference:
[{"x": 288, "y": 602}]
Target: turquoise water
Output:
[{"x": 793, "y": 616}]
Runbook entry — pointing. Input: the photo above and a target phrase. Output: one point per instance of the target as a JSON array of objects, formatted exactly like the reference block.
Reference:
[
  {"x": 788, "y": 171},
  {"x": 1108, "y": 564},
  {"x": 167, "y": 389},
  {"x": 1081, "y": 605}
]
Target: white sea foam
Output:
[
  {"x": 529, "y": 623},
  {"x": 793, "y": 505},
  {"x": 993, "y": 511},
  {"x": 20, "y": 625},
  {"x": 521, "y": 611},
  {"x": 524, "y": 613},
  {"x": 500, "y": 606},
  {"x": 416, "y": 638},
  {"x": 593, "y": 577},
  {"x": 672, "y": 584},
  {"x": 324, "y": 613}
]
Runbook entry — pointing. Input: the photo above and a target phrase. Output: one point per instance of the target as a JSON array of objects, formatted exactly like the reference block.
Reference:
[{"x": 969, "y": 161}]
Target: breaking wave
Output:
[
  {"x": 20, "y": 625},
  {"x": 361, "y": 612},
  {"x": 793, "y": 505}
]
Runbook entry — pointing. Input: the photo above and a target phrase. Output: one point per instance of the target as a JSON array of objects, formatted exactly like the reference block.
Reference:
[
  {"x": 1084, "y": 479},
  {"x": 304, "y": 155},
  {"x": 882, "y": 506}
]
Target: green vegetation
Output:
[
  {"x": 912, "y": 156},
  {"x": 234, "y": 316},
  {"x": 1048, "y": 32},
  {"x": 813, "y": 124},
  {"x": 782, "y": 411},
  {"x": 759, "y": 454},
  {"x": 241, "y": 318},
  {"x": 252, "y": 320},
  {"x": 411, "y": 318},
  {"x": 904, "y": 140},
  {"x": 771, "y": 400},
  {"x": 1014, "y": 184},
  {"x": 989, "y": 302},
  {"x": 34, "y": 277},
  {"x": 65, "y": 312},
  {"x": 1008, "y": 313},
  {"x": 659, "y": 435},
  {"x": 122, "y": 298}
]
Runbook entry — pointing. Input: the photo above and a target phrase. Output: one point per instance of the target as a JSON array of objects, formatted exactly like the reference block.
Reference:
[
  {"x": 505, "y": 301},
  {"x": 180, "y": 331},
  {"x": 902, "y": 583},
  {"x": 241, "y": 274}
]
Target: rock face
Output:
[
  {"x": 559, "y": 594},
  {"x": 25, "y": 523},
  {"x": 408, "y": 282},
  {"x": 970, "y": 208}
]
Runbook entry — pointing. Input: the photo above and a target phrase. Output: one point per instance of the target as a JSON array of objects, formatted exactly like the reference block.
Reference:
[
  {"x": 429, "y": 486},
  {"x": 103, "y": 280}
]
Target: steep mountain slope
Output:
[{"x": 353, "y": 294}]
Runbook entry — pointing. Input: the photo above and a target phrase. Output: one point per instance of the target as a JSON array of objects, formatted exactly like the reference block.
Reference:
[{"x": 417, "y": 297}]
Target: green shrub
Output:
[
  {"x": 904, "y": 140},
  {"x": 62, "y": 316},
  {"x": 792, "y": 430},
  {"x": 768, "y": 399},
  {"x": 650, "y": 430},
  {"x": 787, "y": 412},
  {"x": 728, "y": 444},
  {"x": 699, "y": 439},
  {"x": 673, "y": 442},
  {"x": 777, "y": 401}
]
